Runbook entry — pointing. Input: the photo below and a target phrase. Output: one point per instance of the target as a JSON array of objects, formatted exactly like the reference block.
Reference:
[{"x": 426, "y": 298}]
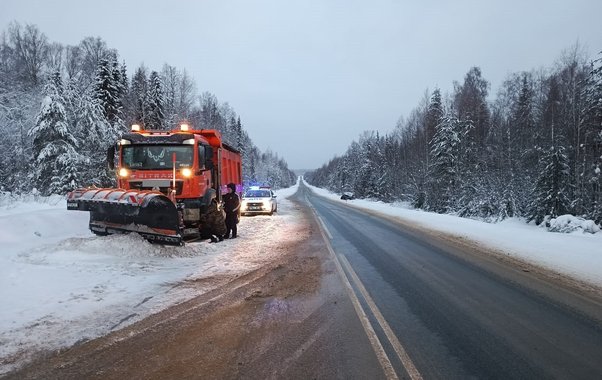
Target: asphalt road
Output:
[{"x": 440, "y": 313}]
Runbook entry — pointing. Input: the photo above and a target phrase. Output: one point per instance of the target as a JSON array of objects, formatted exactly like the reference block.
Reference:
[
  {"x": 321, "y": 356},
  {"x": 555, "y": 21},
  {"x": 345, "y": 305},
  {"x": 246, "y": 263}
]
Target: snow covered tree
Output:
[
  {"x": 156, "y": 103},
  {"x": 210, "y": 115},
  {"x": 107, "y": 91},
  {"x": 56, "y": 159},
  {"x": 550, "y": 194},
  {"x": 30, "y": 47},
  {"x": 139, "y": 104},
  {"x": 470, "y": 103},
  {"x": 238, "y": 134},
  {"x": 592, "y": 140},
  {"x": 444, "y": 169},
  {"x": 93, "y": 50},
  {"x": 434, "y": 114},
  {"x": 121, "y": 85},
  {"x": 98, "y": 134}
]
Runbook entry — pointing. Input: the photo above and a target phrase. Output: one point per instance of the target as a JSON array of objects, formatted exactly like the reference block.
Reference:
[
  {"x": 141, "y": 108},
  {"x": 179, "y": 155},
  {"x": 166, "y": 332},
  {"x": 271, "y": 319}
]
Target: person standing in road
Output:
[{"x": 231, "y": 206}]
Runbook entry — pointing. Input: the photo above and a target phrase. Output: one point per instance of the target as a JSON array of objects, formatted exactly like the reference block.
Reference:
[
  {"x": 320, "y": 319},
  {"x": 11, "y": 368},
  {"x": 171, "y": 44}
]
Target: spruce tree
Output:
[
  {"x": 592, "y": 126},
  {"x": 107, "y": 90},
  {"x": 56, "y": 159},
  {"x": 444, "y": 165},
  {"x": 434, "y": 114},
  {"x": 120, "y": 92},
  {"x": 139, "y": 97},
  {"x": 550, "y": 194},
  {"x": 156, "y": 101},
  {"x": 98, "y": 134}
]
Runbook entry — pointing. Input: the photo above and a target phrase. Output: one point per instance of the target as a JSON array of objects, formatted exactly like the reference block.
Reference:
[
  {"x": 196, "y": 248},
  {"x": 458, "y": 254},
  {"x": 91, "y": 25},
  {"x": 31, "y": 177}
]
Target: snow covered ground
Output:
[
  {"x": 60, "y": 284},
  {"x": 576, "y": 254}
]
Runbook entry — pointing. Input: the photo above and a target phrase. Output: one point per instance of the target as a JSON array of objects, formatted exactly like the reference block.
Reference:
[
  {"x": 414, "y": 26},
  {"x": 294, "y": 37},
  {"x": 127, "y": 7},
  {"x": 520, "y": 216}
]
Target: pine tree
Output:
[
  {"x": 139, "y": 97},
  {"x": 156, "y": 101},
  {"x": 118, "y": 82},
  {"x": 54, "y": 146},
  {"x": 592, "y": 126},
  {"x": 107, "y": 90},
  {"x": 98, "y": 135},
  {"x": 444, "y": 169},
  {"x": 523, "y": 153},
  {"x": 470, "y": 102},
  {"x": 434, "y": 114},
  {"x": 239, "y": 134},
  {"x": 550, "y": 194}
]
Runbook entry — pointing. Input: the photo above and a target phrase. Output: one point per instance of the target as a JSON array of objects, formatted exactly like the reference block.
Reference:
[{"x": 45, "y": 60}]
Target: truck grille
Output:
[{"x": 164, "y": 189}]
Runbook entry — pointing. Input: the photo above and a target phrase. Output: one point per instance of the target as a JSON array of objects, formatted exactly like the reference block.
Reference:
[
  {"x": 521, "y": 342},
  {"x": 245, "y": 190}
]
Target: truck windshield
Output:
[{"x": 153, "y": 157}]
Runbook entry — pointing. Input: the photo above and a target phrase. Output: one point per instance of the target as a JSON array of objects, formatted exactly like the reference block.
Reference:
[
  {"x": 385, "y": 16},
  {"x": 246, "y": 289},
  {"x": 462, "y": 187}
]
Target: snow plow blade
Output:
[{"x": 149, "y": 213}]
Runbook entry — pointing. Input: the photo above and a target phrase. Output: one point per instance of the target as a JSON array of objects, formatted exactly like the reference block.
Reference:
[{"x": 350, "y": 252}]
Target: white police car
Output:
[{"x": 258, "y": 200}]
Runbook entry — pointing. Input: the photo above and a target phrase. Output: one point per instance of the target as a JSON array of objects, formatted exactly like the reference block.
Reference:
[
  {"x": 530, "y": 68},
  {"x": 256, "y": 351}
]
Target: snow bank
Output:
[
  {"x": 21, "y": 202},
  {"x": 578, "y": 254},
  {"x": 60, "y": 284},
  {"x": 569, "y": 223}
]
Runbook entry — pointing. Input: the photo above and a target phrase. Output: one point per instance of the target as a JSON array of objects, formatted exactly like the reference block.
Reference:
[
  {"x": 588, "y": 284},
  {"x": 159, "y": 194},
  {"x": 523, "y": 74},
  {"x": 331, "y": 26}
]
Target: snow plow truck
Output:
[{"x": 165, "y": 182}]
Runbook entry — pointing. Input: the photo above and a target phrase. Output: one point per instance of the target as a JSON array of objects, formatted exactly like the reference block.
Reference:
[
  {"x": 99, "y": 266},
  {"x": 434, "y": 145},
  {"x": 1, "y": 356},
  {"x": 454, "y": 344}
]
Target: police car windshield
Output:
[
  {"x": 257, "y": 194},
  {"x": 155, "y": 157}
]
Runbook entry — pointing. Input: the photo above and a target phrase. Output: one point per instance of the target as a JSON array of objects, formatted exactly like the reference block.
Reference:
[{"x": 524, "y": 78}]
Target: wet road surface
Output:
[{"x": 440, "y": 314}]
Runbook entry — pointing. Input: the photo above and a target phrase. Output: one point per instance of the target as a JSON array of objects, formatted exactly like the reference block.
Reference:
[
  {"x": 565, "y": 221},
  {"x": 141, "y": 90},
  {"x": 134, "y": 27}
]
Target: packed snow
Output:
[
  {"x": 60, "y": 284},
  {"x": 577, "y": 254}
]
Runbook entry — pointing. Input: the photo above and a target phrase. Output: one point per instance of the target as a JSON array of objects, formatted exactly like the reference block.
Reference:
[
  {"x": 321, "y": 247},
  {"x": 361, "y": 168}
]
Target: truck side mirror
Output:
[
  {"x": 111, "y": 157},
  {"x": 209, "y": 158}
]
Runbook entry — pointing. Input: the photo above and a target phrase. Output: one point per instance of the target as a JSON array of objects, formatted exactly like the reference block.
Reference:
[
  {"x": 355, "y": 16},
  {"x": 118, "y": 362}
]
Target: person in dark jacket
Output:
[
  {"x": 231, "y": 206},
  {"x": 213, "y": 221}
]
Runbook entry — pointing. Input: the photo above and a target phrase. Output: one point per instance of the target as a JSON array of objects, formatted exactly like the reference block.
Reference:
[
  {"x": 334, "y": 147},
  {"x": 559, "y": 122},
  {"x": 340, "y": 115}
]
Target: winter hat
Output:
[{"x": 232, "y": 186}]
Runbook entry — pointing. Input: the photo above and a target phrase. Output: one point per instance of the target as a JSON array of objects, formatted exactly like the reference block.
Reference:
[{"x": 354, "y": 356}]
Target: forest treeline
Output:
[
  {"x": 535, "y": 151},
  {"x": 62, "y": 106}
]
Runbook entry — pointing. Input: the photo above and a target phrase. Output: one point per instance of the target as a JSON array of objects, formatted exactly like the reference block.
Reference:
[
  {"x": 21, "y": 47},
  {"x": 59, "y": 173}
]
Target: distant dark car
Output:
[{"x": 347, "y": 196}]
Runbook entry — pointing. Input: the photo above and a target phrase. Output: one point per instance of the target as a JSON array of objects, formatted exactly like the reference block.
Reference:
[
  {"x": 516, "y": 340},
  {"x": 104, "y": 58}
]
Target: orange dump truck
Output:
[{"x": 165, "y": 182}]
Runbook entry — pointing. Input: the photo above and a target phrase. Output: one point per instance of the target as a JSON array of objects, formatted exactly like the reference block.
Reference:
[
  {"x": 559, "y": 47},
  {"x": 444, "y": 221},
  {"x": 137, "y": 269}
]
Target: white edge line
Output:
[
  {"x": 372, "y": 337},
  {"x": 397, "y": 346},
  {"x": 325, "y": 228}
]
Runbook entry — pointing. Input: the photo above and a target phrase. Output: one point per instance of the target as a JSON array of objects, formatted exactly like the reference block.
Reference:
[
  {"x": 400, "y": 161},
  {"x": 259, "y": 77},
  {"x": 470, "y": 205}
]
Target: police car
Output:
[{"x": 258, "y": 200}]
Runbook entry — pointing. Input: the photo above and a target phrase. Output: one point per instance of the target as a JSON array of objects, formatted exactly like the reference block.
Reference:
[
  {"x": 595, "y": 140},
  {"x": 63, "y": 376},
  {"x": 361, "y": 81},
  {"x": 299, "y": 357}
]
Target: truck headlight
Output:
[
  {"x": 123, "y": 172},
  {"x": 187, "y": 172}
]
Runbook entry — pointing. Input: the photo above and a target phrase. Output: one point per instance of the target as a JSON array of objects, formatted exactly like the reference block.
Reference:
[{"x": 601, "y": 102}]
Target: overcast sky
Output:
[{"x": 307, "y": 77}]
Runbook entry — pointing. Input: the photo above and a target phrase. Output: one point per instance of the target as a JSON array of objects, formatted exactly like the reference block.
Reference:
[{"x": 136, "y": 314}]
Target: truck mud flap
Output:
[{"x": 149, "y": 213}]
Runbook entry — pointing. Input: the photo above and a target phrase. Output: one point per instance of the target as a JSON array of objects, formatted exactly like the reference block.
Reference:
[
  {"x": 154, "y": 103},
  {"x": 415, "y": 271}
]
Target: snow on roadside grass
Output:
[
  {"x": 578, "y": 254},
  {"x": 60, "y": 284}
]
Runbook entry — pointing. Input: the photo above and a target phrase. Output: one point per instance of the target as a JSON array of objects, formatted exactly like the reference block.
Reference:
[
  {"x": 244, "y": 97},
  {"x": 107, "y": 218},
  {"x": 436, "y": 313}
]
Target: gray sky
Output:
[{"x": 307, "y": 77}]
